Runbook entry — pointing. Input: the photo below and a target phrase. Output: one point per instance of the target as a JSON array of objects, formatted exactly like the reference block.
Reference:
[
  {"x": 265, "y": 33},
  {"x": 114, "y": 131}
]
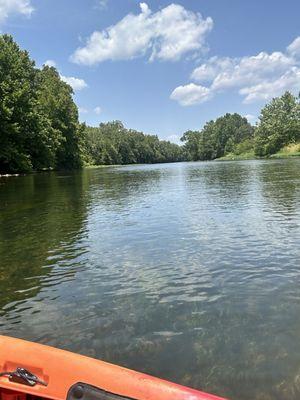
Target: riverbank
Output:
[
  {"x": 289, "y": 151},
  {"x": 91, "y": 166},
  {"x": 292, "y": 150}
]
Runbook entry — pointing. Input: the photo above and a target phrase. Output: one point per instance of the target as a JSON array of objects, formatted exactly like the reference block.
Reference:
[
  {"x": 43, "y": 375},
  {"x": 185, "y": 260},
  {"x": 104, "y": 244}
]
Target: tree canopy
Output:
[
  {"x": 218, "y": 137},
  {"x": 112, "y": 143},
  {"x": 39, "y": 127},
  {"x": 279, "y": 125}
]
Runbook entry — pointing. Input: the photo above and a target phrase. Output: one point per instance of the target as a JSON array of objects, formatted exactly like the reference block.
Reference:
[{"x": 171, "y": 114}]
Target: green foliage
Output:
[
  {"x": 55, "y": 99},
  {"x": 232, "y": 137},
  {"x": 39, "y": 126},
  {"x": 111, "y": 143},
  {"x": 20, "y": 118},
  {"x": 191, "y": 141},
  {"x": 291, "y": 150},
  {"x": 218, "y": 138},
  {"x": 246, "y": 146},
  {"x": 279, "y": 125}
]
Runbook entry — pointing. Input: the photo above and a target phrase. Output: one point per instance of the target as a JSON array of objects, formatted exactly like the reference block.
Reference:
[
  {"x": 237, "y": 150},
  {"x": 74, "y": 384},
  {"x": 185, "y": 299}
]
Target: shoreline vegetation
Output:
[
  {"x": 285, "y": 153},
  {"x": 40, "y": 128},
  {"x": 289, "y": 151}
]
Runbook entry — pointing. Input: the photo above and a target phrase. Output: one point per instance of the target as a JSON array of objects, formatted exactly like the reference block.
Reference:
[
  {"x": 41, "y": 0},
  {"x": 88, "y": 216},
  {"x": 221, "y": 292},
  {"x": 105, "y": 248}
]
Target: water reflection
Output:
[
  {"x": 280, "y": 185},
  {"x": 188, "y": 271},
  {"x": 41, "y": 216}
]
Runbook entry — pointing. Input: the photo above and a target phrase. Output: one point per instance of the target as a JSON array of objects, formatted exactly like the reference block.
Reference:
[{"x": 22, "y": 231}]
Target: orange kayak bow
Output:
[{"x": 31, "y": 371}]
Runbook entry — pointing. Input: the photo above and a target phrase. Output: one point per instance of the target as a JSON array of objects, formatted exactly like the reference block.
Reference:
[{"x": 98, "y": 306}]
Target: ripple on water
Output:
[{"x": 188, "y": 271}]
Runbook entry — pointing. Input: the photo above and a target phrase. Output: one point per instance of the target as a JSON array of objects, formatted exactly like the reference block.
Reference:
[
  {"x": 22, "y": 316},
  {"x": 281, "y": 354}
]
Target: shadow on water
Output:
[
  {"x": 41, "y": 216},
  {"x": 187, "y": 271}
]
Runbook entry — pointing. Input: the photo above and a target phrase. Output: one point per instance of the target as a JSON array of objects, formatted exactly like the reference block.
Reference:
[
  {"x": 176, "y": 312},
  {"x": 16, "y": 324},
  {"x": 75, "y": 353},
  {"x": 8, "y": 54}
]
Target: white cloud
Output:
[
  {"x": 294, "y": 47},
  {"x": 8, "y": 7},
  {"x": 75, "y": 83},
  {"x": 252, "y": 70},
  {"x": 251, "y": 118},
  {"x": 256, "y": 78},
  {"x": 207, "y": 72},
  {"x": 50, "y": 63},
  {"x": 98, "y": 110},
  {"x": 191, "y": 94},
  {"x": 101, "y": 4},
  {"x": 272, "y": 88},
  {"x": 83, "y": 110},
  {"x": 167, "y": 34},
  {"x": 174, "y": 139}
]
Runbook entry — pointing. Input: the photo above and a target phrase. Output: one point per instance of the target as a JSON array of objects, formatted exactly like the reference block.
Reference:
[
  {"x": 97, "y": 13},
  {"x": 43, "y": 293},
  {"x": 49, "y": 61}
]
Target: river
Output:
[{"x": 188, "y": 271}]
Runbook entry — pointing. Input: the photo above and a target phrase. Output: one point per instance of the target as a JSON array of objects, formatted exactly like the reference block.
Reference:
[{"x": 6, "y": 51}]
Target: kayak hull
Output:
[{"x": 60, "y": 370}]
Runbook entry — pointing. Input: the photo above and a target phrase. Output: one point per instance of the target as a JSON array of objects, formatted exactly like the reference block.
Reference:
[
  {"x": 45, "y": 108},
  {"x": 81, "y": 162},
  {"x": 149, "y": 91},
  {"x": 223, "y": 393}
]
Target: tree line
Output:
[
  {"x": 40, "y": 129},
  {"x": 278, "y": 125},
  {"x": 112, "y": 143}
]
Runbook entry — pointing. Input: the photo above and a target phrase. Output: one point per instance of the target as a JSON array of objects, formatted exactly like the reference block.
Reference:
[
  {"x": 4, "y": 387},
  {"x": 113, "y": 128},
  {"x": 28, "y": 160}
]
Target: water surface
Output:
[{"x": 187, "y": 271}]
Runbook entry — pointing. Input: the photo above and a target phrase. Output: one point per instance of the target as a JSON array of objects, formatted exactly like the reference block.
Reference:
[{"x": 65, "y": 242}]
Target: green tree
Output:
[
  {"x": 56, "y": 101},
  {"x": 217, "y": 138},
  {"x": 279, "y": 125},
  {"x": 191, "y": 140},
  {"x": 25, "y": 131},
  {"x": 39, "y": 126},
  {"x": 112, "y": 143}
]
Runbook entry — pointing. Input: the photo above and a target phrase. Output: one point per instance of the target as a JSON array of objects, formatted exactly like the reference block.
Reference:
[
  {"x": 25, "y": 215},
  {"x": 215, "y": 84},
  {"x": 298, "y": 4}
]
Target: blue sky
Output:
[{"x": 163, "y": 67}]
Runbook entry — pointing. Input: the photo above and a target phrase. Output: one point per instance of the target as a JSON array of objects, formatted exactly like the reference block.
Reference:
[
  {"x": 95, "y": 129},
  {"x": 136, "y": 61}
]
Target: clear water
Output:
[{"x": 187, "y": 271}]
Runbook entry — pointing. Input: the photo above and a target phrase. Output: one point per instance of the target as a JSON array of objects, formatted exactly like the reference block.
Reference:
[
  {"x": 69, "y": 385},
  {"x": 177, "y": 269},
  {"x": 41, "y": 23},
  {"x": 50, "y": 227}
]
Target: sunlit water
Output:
[{"x": 187, "y": 271}]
